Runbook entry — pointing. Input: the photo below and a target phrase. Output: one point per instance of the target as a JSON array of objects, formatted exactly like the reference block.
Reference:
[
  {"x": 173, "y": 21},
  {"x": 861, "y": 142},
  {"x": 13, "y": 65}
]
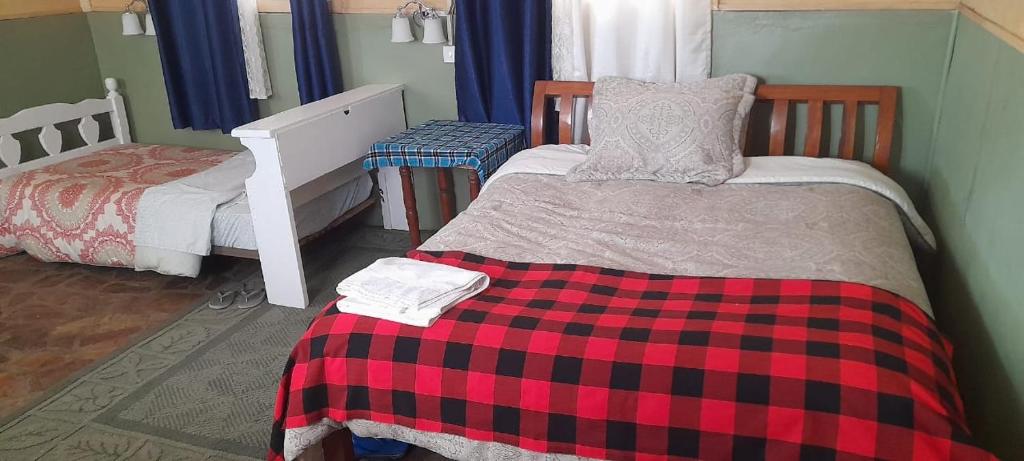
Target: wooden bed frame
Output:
[
  {"x": 781, "y": 98},
  {"x": 300, "y": 154}
]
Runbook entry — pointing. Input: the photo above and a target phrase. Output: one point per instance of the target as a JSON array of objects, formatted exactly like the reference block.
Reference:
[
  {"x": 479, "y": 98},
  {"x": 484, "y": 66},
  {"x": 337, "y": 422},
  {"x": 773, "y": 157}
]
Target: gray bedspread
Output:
[{"x": 809, "y": 231}]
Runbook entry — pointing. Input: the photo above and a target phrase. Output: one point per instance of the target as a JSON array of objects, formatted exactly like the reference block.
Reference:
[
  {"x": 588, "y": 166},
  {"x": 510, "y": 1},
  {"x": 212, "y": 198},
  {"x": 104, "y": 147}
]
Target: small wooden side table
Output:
[{"x": 445, "y": 144}]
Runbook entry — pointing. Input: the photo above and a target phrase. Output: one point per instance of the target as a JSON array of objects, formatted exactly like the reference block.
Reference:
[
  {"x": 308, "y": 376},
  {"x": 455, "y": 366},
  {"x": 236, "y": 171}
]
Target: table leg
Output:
[
  {"x": 411, "y": 214},
  {"x": 474, "y": 185},
  {"x": 444, "y": 185}
]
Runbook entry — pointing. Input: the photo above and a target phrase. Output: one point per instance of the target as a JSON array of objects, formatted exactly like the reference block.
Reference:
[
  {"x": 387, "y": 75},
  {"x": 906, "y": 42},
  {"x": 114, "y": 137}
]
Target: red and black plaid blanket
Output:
[{"x": 608, "y": 364}]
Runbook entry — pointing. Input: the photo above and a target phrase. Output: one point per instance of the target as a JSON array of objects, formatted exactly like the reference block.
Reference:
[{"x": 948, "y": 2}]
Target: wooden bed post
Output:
[{"x": 300, "y": 154}]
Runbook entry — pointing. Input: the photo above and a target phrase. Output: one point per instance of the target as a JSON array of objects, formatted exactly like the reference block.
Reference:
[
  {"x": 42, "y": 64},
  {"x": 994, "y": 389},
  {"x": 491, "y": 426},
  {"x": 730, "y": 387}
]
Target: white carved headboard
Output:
[{"x": 51, "y": 139}]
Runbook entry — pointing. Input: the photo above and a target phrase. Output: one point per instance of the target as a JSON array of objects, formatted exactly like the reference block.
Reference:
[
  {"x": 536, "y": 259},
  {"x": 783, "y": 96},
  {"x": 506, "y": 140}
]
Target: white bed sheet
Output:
[
  {"x": 180, "y": 222},
  {"x": 233, "y": 227}
]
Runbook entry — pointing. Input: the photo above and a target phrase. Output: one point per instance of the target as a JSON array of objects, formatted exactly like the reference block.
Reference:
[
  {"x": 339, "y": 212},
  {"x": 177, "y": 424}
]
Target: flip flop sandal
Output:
[
  {"x": 251, "y": 297},
  {"x": 222, "y": 300}
]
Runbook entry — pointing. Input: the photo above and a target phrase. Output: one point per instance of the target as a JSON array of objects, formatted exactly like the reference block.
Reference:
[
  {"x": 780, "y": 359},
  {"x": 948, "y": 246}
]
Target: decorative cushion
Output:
[{"x": 669, "y": 132}]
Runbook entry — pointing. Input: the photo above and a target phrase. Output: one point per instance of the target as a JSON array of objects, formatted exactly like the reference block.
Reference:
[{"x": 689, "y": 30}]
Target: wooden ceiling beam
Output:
[
  {"x": 284, "y": 6},
  {"x": 1003, "y": 18},
  {"x": 833, "y": 5},
  {"x": 18, "y": 9}
]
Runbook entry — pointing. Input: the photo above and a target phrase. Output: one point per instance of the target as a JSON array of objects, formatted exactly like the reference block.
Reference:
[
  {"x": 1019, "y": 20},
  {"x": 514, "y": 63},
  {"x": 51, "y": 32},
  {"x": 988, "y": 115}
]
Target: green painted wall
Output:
[
  {"x": 367, "y": 56},
  {"x": 135, "y": 63},
  {"x": 905, "y": 48},
  {"x": 968, "y": 182},
  {"x": 900, "y": 48},
  {"x": 975, "y": 196},
  {"x": 45, "y": 60}
]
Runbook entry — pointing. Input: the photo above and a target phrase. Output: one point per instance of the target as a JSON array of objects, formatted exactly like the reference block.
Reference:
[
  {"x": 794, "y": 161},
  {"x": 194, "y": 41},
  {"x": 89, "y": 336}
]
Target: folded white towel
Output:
[{"x": 408, "y": 291}]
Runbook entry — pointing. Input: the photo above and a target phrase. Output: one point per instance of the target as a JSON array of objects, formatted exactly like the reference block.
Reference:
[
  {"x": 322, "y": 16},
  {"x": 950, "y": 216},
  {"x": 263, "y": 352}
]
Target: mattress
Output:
[
  {"x": 80, "y": 210},
  {"x": 816, "y": 231},
  {"x": 233, "y": 226}
]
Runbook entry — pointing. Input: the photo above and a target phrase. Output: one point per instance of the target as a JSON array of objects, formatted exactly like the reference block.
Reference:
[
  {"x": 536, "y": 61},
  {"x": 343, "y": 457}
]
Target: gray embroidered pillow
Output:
[{"x": 670, "y": 132}]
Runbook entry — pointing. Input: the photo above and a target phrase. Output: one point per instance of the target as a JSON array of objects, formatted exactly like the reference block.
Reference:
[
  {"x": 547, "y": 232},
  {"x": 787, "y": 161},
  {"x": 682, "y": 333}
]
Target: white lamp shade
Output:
[
  {"x": 150, "y": 28},
  {"x": 130, "y": 24},
  {"x": 433, "y": 31},
  {"x": 401, "y": 30}
]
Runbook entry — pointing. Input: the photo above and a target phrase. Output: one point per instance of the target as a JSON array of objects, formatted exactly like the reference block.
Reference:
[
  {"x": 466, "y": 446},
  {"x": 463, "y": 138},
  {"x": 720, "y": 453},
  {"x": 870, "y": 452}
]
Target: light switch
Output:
[{"x": 448, "y": 53}]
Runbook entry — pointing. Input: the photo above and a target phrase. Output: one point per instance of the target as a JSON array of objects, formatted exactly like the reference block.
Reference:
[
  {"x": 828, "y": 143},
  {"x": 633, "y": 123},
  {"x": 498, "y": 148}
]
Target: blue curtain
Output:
[
  {"x": 502, "y": 48},
  {"x": 204, "y": 68},
  {"x": 316, "y": 50}
]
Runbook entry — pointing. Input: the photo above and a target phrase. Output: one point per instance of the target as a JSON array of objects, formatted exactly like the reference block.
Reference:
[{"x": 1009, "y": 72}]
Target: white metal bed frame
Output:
[{"x": 300, "y": 154}]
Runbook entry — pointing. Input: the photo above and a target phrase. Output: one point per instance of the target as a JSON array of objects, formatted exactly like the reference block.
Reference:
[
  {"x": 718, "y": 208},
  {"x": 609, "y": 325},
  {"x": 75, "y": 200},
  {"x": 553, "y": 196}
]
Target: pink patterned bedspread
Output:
[{"x": 83, "y": 210}]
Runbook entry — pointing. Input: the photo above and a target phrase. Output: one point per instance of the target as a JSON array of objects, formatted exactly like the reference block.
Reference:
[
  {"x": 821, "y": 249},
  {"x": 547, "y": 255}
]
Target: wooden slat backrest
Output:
[
  {"x": 568, "y": 92},
  {"x": 817, "y": 98}
]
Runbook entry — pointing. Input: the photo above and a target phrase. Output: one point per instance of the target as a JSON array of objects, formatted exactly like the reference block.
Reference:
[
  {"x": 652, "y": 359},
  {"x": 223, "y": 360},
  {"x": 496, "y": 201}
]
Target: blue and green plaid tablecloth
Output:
[{"x": 449, "y": 144}]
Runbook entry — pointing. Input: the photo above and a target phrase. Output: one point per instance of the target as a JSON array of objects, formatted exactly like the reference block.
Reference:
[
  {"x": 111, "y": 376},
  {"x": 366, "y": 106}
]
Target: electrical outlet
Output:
[{"x": 448, "y": 54}]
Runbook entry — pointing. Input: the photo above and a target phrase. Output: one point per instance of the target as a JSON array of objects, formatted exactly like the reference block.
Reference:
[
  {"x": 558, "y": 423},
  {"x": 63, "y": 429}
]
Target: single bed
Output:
[
  {"x": 779, "y": 315},
  {"x": 107, "y": 201},
  {"x": 233, "y": 227}
]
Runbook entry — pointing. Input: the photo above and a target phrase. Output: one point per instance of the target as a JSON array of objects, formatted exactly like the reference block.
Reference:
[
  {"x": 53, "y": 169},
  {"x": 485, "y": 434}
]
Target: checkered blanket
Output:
[
  {"x": 449, "y": 144},
  {"x": 620, "y": 365}
]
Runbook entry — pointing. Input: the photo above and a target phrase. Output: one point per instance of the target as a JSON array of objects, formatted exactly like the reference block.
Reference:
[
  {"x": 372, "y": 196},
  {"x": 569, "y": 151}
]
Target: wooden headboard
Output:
[{"x": 781, "y": 98}]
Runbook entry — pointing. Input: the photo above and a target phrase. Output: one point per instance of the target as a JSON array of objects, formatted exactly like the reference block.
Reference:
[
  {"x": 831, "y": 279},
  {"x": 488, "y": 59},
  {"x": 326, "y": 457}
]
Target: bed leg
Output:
[
  {"x": 338, "y": 446},
  {"x": 411, "y": 214}
]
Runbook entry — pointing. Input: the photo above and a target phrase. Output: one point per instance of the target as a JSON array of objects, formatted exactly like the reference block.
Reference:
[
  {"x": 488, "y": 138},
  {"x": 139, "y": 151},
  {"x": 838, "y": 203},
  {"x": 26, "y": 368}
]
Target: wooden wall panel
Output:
[
  {"x": 379, "y": 6},
  {"x": 283, "y": 6},
  {"x": 16, "y": 9},
  {"x": 821, "y": 5},
  {"x": 1003, "y": 18},
  {"x": 106, "y": 5}
]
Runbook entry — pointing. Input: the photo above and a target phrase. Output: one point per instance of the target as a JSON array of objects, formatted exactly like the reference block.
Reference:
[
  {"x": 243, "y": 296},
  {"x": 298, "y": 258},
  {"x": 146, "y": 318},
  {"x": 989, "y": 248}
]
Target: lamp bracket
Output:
[
  {"x": 128, "y": 7},
  {"x": 420, "y": 12}
]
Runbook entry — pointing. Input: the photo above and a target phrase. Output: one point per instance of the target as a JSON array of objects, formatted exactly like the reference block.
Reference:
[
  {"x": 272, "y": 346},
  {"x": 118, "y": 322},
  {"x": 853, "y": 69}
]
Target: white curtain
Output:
[
  {"x": 252, "y": 47},
  {"x": 651, "y": 40}
]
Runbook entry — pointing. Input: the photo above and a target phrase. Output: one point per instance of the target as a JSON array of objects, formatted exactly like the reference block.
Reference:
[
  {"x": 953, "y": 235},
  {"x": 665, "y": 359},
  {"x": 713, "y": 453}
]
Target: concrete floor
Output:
[{"x": 58, "y": 319}]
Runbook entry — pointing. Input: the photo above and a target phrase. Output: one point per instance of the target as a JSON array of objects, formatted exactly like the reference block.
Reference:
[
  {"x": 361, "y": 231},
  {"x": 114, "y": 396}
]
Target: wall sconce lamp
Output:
[
  {"x": 130, "y": 24},
  {"x": 430, "y": 18}
]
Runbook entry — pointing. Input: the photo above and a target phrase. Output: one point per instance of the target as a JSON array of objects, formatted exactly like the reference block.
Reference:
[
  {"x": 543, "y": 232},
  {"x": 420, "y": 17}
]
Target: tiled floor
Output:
[{"x": 58, "y": 319}]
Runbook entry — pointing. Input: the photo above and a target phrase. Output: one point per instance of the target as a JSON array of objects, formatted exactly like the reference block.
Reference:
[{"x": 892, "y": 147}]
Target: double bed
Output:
[
  {"x": 107, "y": 201},
  {"x": 779, "y": 315}
]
